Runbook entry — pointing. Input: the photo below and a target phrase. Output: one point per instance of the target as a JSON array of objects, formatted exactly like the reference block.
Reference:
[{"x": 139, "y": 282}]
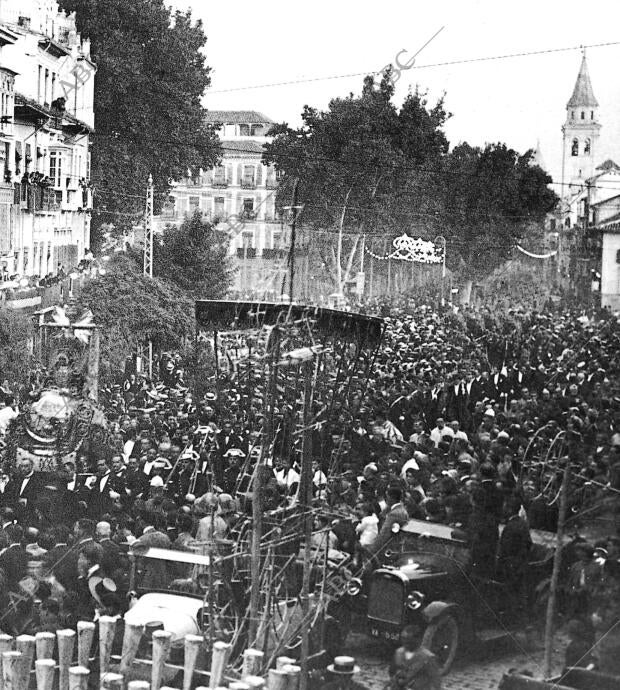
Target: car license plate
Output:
[{"x": 385, "y": 634}]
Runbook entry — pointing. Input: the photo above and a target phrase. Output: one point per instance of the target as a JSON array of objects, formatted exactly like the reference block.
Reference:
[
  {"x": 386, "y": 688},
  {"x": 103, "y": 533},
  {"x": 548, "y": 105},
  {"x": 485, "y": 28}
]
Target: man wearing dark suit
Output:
[
  {"x": 66, "y": 568},
  {"x": 14, "y": 559},
  {"x": 513, "y": 554},
  {"x": 104, "y": 491},
  {"x": 23, "y": 490},
  {"x": 136, "y": 482},
  {"x": 154, "y": 572},
  {"x": 55, "y": 556},
  {"x": 396, "y": 515}
]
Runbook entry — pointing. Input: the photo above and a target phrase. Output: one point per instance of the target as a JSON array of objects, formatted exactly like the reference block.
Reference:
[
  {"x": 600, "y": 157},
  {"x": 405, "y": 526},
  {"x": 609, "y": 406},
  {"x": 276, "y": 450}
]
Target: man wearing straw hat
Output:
[{"x": 340, "y": 675}]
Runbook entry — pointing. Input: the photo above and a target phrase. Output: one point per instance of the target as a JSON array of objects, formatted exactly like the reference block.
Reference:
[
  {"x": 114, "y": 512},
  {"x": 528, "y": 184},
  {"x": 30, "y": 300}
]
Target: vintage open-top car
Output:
[{"x": 425, "y": 577}]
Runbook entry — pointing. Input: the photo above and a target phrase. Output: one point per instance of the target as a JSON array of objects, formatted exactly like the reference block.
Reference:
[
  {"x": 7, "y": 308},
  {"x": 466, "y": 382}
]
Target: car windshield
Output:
[
  {"x": 175, "y": 571},
  {"x": 430, "y": 545}
]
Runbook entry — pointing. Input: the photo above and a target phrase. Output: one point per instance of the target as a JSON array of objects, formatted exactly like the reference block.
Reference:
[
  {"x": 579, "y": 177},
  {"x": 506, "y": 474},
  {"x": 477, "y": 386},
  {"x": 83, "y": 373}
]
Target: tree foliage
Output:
[
  {"x": 492, "y": 197},
  {"x": 194, "y": 256},
  {"x": 132, "y": 309},
  {"x": 16, "y": 333},
  {"x": 151, "y": 76},
  {"x": 366, "y": 167}
]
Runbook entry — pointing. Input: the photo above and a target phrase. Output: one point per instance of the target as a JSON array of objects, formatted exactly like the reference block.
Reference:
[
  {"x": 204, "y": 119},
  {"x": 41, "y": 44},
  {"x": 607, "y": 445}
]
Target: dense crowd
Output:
[{"x": 467, "y": 417}]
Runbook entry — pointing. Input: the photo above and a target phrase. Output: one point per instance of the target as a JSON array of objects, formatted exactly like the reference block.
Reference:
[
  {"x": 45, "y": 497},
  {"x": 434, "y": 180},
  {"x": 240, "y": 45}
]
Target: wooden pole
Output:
[
  {"x": 277, "y": 680},
  {"x": 294, "y": 675},
  {"x": 11, "y": 663},
  {"x": 44, "y": 669},
  {"x": 139, "y": 685},
  {"x": 85, "y": 637},
  {"x": 25, "y": 644},
  {"x": 305, "y": 495},
  {"x": 107, "y": 628},
  {"x": 283, "y": 661},
  {"x": 162, "y": 641},
  {"x": 44, "y": 645},
  {"x": 78, "y": 677},
  {"x": 6, "y": 645},
  {"x": 557, "y": 562},
  {"x": 192, "y": 649},
  {"x": 111, "y": 681},
  {"x": 131, "y": 643},
  {"x": 257, "y": 488},
  {"x": 219, "y": 658},
  {"x": 66, "y": 642},
  {"x": 252, "y": 662}
]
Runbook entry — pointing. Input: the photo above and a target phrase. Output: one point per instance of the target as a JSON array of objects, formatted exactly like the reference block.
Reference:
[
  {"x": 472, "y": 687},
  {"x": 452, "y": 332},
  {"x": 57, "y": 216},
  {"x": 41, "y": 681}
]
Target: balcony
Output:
[
  {"x": 248, "y": 184},
  {"x": 219, "y": 183},
  {"x": 274, "y": 253}
]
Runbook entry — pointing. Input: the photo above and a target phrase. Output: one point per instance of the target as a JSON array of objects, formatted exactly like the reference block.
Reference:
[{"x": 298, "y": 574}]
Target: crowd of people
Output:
[{"x": 466, "y": 417}]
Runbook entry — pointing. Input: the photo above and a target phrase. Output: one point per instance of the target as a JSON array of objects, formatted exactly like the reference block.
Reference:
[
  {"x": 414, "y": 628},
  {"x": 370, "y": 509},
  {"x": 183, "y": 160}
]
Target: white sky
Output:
[{"x": 517, "y": 100}]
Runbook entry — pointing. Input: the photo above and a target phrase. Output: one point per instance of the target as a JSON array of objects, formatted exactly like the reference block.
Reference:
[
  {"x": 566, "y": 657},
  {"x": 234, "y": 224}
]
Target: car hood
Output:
[{"x": 177, "y": 613}]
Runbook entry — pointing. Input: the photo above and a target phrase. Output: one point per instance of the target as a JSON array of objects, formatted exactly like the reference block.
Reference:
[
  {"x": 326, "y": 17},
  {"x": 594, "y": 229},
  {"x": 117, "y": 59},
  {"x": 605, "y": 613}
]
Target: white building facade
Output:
[
  {"x": 238, "y": 196},
  {"x": 47, "y": 117}
]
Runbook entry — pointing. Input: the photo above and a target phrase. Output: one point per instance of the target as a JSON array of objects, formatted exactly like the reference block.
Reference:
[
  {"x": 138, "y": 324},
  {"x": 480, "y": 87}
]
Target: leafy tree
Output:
[
  {"x": 492, "y": 197},
  {"x": 353, "y": 160},
  {"x": 16, "y": 333},
  {"x": 195, "y": 257},
  {"x": 133, "y": 309},
  {"x": 151, "y": 76}
]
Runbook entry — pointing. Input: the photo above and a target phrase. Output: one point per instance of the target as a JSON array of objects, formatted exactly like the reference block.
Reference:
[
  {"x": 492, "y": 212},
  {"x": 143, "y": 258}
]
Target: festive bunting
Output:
[{"x": 413, "y": 249}]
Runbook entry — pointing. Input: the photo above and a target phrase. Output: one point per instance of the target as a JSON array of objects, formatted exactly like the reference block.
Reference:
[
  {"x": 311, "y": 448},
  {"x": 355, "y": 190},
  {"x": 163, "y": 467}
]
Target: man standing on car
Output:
[{"x": 396, "y": 514}]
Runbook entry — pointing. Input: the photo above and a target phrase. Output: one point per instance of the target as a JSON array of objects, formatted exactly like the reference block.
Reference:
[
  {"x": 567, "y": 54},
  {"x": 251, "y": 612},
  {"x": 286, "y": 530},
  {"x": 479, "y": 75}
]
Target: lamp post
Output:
[{"x": 443, "y": 264}]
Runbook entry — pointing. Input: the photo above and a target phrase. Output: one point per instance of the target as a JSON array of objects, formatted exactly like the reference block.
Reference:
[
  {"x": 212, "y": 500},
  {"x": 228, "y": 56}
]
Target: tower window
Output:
[
  {"x": 572, "y": 114},
  {"x": 587, "y": 147},
  {"x": 583, "y": 115},
  {"x": 592, "y": 114},
  {"x": 574, "y": 151}
]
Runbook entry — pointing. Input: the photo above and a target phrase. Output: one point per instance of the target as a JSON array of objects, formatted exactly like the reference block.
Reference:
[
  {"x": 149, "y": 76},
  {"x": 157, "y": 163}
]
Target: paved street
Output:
[{"x": 481, "y": 673}]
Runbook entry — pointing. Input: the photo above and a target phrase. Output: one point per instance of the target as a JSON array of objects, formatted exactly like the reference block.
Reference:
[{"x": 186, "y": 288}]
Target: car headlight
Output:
[
  {"x": 354, "y": 586},
  {"x": 415, "y": 600}
]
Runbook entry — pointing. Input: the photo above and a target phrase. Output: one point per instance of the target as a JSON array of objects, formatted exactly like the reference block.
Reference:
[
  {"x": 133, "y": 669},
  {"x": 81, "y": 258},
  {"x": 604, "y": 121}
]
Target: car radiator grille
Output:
[{"x": 386, "y": 601}]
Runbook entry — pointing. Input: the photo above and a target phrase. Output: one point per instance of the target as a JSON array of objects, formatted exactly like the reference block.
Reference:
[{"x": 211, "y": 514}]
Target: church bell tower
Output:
[{"x": 580, "y": 132}]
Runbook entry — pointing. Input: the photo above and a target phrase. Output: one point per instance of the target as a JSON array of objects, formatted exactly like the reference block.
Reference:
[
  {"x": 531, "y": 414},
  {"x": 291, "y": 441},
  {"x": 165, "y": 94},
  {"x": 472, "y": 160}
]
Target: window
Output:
[
  {"x": 246, "y": 240},
  {"x": 572, "y": 114},
  {"x": 248, "y": 206},
  {"x": 47, "y": 78},
  {"x": 219, "y": 176},
  {"x": 56, "y": 168},
  {"x": 587, "y": 147},
  {"x": 244, "y": 130},
  {"x": 218, "y": 207},
  {"x": 194, "y": 204},
  {"x": 583, "y": 115},
  {"x": 248, "y": 176},
  {"x": 592, "y": 114},
  {"x": 574, "y": 151},
  {"x": 257, "y": 130}
]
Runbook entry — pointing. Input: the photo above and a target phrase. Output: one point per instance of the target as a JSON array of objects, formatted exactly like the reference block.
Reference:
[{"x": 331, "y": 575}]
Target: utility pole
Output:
[
  {"x": 305, "y": 498},
  {"x": 148, "y": 250},
  {"x": 294, "y": 208}
]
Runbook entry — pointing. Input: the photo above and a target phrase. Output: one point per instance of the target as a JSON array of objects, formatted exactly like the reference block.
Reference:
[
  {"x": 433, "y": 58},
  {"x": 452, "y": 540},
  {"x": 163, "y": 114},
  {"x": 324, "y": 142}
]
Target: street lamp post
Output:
[{"x": 443, "y": 265}]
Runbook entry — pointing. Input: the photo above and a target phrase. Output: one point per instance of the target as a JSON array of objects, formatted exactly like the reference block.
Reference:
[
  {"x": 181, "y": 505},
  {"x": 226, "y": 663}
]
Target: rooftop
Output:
[
  {"x": 237, "y": 117},
  {"x": 583, "y": 94}
]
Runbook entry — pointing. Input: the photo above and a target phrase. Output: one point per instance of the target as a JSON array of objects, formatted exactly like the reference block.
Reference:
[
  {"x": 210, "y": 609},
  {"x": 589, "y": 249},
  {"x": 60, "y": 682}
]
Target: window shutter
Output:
[
  {"x": 239, "y": 173},
  {"x": 259, "y": 175}
]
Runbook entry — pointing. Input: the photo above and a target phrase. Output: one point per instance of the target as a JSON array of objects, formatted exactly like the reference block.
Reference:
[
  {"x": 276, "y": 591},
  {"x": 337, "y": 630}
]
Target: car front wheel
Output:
[{"x": 442, "y": 638}]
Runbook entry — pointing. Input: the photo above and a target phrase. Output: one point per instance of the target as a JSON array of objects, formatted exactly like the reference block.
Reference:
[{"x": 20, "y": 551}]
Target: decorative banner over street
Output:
[
  {"x": 413, "y": 249},
  {"x": 536, "y": 256}
]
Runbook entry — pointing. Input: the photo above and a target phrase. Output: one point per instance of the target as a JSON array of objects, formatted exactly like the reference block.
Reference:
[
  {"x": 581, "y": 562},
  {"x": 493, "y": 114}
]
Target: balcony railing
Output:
[
  {"x": 248, "y": 184},
  {"x": 219, "y": 184}
]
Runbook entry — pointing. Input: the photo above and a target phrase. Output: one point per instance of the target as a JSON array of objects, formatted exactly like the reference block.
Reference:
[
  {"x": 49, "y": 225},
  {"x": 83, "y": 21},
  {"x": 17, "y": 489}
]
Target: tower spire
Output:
[{"x": 583, "y": 94}]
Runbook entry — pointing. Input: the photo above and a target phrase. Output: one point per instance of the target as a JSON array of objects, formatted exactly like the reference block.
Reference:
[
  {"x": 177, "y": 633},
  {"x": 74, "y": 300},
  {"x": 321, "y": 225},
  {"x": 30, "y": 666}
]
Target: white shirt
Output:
[
  {"x": 437, "y": 434},
  {"x": 103, "y": 481},
  {"x": 25, "y": 481},
  {"x": 287, "y": 477},
  {"x": 6, "y": 415}
]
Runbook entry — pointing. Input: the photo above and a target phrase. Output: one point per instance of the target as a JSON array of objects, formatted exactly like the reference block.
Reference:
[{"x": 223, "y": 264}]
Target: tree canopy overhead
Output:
[
  {"x": 151, "y": 76},
  {"x": 368, "y": 168}
]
